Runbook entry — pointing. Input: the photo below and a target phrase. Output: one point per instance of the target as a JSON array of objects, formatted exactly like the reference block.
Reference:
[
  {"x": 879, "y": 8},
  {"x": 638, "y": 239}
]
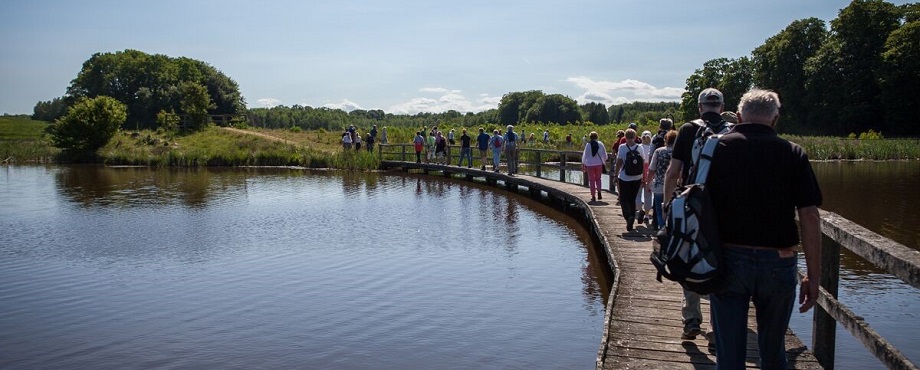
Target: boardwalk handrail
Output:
[
  {"x": 530, "y": 157},
  {"x": 886, "y": 254}
]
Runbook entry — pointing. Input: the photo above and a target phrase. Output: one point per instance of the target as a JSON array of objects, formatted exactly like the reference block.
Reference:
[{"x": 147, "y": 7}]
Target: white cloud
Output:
[
  {"x": 448, "y": 100},
  {"x": 433, "y": 90},
  {"x": 625, "y": 91},
  {"x": 345, "y": 105},
  {"x": 268, "y": 102}
]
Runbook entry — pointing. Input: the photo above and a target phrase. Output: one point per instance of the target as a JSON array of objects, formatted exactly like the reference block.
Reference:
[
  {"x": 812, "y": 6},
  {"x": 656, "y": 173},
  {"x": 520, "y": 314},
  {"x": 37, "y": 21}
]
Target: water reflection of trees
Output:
[{"x": 128, "y": 186}]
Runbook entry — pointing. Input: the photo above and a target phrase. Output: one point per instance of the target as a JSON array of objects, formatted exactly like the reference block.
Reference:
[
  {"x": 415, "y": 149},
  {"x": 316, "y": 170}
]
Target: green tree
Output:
[
  {"x": 88, "y": 125},
  {"x": 733, "y": 77},
  {"x": 195, "y": 102},
  {"x": 49, "y": 110},
  {"x": 148, "y": 84},
  {"x": 515, "y": 105},
  {"x": 779, "y": 65},
  {"x": 596, "y": 113},
  {"x": 899, "y": 80},
  {"x": 842, "y": 78},
  {"x": 554, "y": 108}
]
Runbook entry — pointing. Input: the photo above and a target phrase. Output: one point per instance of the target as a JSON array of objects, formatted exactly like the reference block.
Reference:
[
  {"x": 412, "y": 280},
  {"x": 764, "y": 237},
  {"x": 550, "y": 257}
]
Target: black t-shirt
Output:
[
  {"x": 686, "y": 135},
  {"x": 757, "y": 181},
  {"x": 465, "y": 141}
]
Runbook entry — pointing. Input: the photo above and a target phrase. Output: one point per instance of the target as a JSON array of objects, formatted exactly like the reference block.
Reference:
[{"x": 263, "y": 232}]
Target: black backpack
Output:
[
  {"x": 633, "y": 164},
  {"x": 689, "y": 250}
]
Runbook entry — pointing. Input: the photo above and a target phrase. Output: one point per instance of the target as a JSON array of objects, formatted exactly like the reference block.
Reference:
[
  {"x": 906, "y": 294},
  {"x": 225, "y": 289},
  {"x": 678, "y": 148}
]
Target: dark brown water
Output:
[
  {"x": 109, "y": 268},
  {"x": 883, "y": 197}
]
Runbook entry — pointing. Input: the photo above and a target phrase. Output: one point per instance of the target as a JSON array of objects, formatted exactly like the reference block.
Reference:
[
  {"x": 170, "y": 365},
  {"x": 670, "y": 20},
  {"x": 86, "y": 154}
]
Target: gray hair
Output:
[{"x": 759, "y": 106}]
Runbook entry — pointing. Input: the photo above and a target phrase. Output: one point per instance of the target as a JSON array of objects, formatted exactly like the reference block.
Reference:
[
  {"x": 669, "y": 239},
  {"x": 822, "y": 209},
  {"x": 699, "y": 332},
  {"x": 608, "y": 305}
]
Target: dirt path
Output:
[{"x": 263, "y": 135}]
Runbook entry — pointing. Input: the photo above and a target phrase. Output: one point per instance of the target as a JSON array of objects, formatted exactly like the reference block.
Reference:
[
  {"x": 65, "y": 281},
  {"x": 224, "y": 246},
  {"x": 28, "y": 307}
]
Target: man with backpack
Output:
[
  {"x": 711, "y": 104},
  {"x": 758, "y": 183},
  {"x": 664, "y": 125}
]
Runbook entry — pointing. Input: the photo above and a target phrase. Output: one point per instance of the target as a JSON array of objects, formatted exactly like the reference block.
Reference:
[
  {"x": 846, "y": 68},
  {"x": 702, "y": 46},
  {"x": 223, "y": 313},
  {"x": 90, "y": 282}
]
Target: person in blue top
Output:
[
  {"x": 497, "y": 142},
  {"x": 511, "y": 139},
  {"x": 482, "y": 142}
]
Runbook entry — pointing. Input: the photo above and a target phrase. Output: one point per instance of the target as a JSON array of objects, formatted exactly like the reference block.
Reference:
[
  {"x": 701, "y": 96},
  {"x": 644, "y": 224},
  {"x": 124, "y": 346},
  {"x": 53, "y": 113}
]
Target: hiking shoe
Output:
[{"x": 691, "y": 330}]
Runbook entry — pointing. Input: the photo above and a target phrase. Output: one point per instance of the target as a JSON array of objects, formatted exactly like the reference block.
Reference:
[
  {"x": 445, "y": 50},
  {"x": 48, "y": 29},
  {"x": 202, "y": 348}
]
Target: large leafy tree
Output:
[
  {"x": 88, "y": 125},
  {"x": 842, "y": 78},
  {"x": 514, "y": 106},
  {"x": 148, "y": 84},
  {"x": 900, "y": 80},
  {"x": 596, "y": 113},
  {"x": 779, "y": 65},
  {"x": 554, "y": 108},
  {"x": 733, "y": 77}
]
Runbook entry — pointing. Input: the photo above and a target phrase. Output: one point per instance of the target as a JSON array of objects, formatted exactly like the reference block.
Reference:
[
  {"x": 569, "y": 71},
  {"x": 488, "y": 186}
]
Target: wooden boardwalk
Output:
[{"x": 642, "y": 325}]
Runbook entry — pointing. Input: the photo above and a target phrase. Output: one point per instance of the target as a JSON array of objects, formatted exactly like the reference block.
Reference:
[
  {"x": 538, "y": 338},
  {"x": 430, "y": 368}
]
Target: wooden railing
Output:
[
  {"x": 888, "y": 255},
  {"x": 535, "y": 160}
]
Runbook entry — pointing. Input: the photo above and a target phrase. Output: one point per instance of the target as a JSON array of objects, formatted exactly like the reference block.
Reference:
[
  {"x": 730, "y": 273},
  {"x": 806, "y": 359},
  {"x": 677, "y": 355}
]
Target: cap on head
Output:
[
  {"x": 711, "y": 96},
  {"x": 647, "y": 133},
  {"x": 633, "y": 125}
]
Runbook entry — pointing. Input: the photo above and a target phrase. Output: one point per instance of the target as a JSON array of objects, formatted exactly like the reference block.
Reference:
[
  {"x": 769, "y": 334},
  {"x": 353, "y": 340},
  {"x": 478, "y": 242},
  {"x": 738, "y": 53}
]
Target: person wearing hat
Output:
[
  {"x": 632, "y": 126},
  {"x": 711, "y": 103}
]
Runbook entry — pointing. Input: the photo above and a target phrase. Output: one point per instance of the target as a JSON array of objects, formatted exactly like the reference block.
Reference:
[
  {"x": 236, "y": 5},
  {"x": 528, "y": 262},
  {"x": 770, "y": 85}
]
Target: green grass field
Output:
[
  {"x": 22, "y": 140},
  {"x": 18, "y": 128}
]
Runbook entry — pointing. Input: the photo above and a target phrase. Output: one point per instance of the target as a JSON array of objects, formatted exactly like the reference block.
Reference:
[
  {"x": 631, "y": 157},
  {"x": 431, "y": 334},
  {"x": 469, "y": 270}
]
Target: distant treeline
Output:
[{"x": 309, "y": 118}]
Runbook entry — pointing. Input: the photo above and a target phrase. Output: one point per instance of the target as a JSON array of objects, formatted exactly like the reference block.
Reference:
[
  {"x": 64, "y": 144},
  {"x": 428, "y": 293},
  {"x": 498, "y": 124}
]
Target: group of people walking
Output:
[
  {"x": 434, "y": 148},
  {"x": 758, "y": 183},
  {"x": 351, "y": 138}
]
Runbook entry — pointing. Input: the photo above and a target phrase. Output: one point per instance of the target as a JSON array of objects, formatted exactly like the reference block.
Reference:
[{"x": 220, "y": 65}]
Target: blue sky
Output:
[{"x": 399, "y": 56}]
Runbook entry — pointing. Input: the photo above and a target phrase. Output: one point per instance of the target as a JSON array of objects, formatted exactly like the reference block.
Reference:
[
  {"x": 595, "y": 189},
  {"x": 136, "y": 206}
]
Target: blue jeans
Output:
[
  {"x": 657, "y": 199},
  {"x": 760, "y": 276},
  {"x": 468, "y": 153},
  {"x": 496, "y": 158}
]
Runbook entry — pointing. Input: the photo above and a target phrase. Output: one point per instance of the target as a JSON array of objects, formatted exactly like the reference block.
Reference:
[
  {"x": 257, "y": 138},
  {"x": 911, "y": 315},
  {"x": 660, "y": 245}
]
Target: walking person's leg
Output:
[{"x": 774, "y": 300}]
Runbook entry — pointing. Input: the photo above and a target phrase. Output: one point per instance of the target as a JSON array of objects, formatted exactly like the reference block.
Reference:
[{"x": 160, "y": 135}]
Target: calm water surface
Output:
[{"x": 141, "y": 268}]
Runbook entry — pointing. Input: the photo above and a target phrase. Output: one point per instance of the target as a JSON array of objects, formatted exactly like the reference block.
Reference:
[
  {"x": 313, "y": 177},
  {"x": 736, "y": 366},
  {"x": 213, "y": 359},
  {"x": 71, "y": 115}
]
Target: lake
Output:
[{"x": 282, "y": 268}]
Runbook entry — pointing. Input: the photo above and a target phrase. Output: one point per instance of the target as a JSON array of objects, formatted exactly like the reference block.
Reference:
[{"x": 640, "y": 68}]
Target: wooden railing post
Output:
[
  {"x": 562, "y": 166},
  {"x": 611, "y": 181},
  {"x": 539, "y": 161},
  {"x": 824, "y": 330},
  {"x": 403, "y": 152}
]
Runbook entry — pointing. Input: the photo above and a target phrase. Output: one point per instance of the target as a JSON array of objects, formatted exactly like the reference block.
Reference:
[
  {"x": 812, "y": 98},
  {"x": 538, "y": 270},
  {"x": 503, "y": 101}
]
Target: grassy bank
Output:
[
  {"x": 23, "y": 141},
  {"x": 218, "y": 147}
]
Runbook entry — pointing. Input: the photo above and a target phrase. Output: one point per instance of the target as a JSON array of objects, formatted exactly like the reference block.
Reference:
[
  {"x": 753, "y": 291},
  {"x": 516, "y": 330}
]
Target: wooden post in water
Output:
[{"x": 824, "y": 329}]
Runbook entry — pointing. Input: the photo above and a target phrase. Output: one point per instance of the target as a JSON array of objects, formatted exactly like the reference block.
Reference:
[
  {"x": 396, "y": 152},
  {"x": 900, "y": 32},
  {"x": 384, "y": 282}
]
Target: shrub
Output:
[{"x": 88, "y": 125}]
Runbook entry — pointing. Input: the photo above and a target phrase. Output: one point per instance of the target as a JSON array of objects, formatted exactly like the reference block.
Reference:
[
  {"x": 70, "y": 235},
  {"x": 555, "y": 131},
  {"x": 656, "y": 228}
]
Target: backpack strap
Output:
[{"x": 705, "y": 161}]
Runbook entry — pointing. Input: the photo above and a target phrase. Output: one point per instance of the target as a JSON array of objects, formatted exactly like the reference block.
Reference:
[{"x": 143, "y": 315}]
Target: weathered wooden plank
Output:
[{"x": 893, "y": 257}]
